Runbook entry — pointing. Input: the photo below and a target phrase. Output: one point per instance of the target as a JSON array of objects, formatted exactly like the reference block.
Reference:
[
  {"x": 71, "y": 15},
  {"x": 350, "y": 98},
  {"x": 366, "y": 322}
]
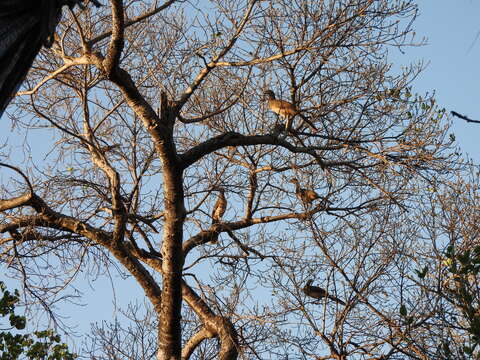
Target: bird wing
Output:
[
  {"x": 319, "y": 293},
  {"x": 337, "y": 300},
  {"x": 308, "y": 122},
  {"x": 314, "y": 292},
  {"x": 289, "y": 111},
  {"x": 282, "y": 107},
  {"x": 219, "y": 208},
  {"x": 312, "y": 194}
]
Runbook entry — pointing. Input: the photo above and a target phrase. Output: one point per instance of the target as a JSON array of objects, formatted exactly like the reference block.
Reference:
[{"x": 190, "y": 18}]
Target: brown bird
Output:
[
  {"x": 105, "y": 149},
  {"x": 319, "y": 293},
  {"x": 220, "y": 206},
  {"x": 306, "y": 195},
  {"x": 286, "y": 110},
  {"x": 218, "y": 210}
]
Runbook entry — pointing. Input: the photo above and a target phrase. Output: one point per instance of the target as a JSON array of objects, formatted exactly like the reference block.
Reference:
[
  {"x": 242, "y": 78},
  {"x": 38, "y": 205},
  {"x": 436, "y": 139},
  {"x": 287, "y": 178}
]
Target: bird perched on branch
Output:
[
  {"x": 220, "y": 206},
  {"x": 25, "y": 26},
  {"x": 305, "y": 195},
  {"x": 319, "y": 293},
  {"x": 286, "y": 110},
  {"x": 218, "y": 210}
]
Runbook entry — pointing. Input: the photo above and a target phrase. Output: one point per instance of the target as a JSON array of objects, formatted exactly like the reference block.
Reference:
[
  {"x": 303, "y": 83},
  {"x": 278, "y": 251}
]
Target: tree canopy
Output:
[{"x": 151, "y": 111}]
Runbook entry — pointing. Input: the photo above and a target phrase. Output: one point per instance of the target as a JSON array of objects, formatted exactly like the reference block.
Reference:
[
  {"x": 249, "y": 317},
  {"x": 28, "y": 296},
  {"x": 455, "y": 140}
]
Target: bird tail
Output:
[
  {"x": 213, "y": 238},
  {"x": 307, "y": 121},
  {"x": 288, "y": 124},
  {"x": 337, "y": 300}
]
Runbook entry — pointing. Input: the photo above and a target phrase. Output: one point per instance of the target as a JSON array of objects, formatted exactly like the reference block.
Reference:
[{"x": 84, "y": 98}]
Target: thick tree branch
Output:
[
  {"x": 236, "y": 139},
  {"x": 49, "y": 218},
  {"x": 205, "y": 236},
  {"x": 195, "y": 341},
  {"x": 112, "y": 60},
  {"x": 214, "y": 326},
  {"x": 217, "y": 325},
  {"x": 161, "y": 131},
  {"x": 15, "y": 202}
]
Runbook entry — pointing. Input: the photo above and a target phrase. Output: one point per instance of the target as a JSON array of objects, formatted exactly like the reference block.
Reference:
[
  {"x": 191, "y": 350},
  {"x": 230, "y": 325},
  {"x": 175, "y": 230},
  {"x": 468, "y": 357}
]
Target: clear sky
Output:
[
  {"x": 452, "y": 55},
  {"x": 452, "y": 29}
]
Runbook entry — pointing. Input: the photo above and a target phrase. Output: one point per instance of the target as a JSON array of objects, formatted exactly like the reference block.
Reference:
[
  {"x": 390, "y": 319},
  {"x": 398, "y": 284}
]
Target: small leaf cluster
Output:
[
  {"x": 39, "y": 345},
  {"x": 464, "y": 268}
]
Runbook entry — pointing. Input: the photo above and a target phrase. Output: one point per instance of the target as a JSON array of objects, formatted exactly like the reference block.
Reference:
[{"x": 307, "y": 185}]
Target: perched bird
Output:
[
  {"x": 286, "y": 110},
  {"x": 218, "y": 210},
  {"x": 305, "y": 195},
  {"x": 319, "y": 293},
  {"x": 108, "y": 148},
  {"x": 220, "y": 206},
  {"x": 25, "y": 26}
]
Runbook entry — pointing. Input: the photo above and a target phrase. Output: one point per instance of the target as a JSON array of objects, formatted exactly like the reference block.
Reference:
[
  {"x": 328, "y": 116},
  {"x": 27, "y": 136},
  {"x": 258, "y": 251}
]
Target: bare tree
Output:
[{"x": 152, "y": 108}]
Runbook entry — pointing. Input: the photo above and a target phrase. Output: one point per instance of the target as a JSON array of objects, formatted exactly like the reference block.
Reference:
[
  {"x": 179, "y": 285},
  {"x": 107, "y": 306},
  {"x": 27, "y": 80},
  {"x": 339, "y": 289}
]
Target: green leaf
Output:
[
  {"x": 18, "y": 322},
  {"x": 450, "y": 251},
  {"x": 476, "y": 250},
  {"x": 39, "y": 345},
  {"x": 467, "y": 350}
]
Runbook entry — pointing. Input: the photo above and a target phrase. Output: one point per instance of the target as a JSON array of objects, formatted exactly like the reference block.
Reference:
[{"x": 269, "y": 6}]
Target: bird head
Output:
[
  {"x": 309, "y": 282},
  {"x": 269, "y": 94}
]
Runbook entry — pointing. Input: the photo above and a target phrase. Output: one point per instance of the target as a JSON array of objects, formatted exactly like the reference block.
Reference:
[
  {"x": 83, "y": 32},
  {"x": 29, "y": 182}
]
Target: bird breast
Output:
[{"x": 219, "y": 211}]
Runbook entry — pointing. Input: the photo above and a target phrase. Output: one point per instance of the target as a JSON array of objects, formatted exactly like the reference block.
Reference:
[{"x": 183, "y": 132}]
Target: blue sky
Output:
[{"x": 452, "y": 55}]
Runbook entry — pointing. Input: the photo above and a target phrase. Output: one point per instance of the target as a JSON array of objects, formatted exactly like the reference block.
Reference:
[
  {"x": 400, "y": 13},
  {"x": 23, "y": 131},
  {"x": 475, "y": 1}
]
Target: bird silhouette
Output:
[{"x": 319, "y": 293}]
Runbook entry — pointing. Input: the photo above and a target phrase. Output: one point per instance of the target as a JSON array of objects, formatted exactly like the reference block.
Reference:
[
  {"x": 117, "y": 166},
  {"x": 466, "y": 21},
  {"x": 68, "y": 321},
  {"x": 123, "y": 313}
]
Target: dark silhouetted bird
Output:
[
  {"x": 25, "y": 26},
  {"x": 286, "y": 110},
  {"x": 319, "y": 293}
]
